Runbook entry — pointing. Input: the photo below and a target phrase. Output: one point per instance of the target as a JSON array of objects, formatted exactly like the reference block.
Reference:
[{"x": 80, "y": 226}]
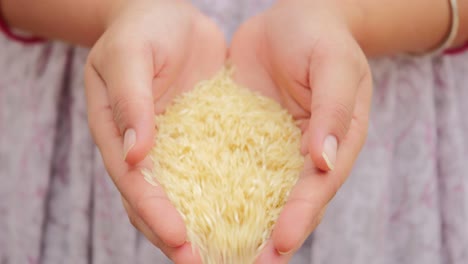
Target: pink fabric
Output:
[
  {"x": 405, "y": 202},
  {"x": 458, "y": 50}
]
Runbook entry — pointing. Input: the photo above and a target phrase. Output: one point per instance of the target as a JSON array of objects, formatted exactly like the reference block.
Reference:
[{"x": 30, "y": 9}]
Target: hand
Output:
[
  {"x": 303, "y": 54},
  {"x": 151, "y": 51}
]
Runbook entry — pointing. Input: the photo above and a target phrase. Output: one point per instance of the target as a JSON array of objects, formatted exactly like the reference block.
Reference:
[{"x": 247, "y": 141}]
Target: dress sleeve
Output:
[
  {"x": 11, "y": 34},
  {"x": 457, "y": 50}
]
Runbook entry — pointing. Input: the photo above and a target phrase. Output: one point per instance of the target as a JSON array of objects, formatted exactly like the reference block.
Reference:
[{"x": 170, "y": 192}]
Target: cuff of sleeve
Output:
[
  {"x": 9, "y": 33},
  {"x": 457, "y": 50}
]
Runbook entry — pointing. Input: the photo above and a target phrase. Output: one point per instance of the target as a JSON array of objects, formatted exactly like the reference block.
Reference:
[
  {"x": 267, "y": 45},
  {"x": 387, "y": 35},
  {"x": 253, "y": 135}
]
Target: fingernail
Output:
[
  {"x": 284, "y": 253},
  {"x": 330, "y": 146},
  {"x": 129, "y": 141}
]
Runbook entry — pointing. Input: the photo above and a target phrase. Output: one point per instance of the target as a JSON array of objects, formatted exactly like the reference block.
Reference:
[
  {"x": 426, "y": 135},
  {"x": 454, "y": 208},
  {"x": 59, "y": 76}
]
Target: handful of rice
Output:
[{"x": 227, "y": 159}]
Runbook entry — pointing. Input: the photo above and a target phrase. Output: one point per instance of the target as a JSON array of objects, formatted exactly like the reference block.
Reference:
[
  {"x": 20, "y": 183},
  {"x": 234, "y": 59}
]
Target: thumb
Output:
[
  {"x": 334, "y": 80},
  {"x": 128, "y": 76}
]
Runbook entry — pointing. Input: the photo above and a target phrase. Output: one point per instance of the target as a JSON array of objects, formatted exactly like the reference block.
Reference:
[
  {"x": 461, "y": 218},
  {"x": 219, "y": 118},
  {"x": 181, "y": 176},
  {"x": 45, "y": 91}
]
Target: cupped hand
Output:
[
  {"x": 151, "y": 51},
  {"x": 304, "y": 54}
]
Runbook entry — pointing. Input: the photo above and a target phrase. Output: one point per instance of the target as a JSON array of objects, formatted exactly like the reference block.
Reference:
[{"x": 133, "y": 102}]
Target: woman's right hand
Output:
[{"x": 151, "y": 51}]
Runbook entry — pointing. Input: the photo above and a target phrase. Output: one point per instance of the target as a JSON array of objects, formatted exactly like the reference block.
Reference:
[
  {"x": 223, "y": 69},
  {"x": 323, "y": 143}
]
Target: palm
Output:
[
  {"x": 282, "y": 55},
  {"x": 153, "y": 51},
  {"x": 195, "y": 55},
  {"x": 251, "y": 55}
]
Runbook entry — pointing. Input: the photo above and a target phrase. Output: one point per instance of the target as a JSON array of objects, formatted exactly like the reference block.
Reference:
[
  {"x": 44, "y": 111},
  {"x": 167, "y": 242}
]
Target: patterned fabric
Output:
[{"x": 405, "y": 202}]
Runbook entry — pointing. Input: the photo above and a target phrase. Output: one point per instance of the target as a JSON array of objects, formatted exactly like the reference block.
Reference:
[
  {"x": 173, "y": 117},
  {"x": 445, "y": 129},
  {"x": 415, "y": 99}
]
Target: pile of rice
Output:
[{"x": 227, "y": 159}]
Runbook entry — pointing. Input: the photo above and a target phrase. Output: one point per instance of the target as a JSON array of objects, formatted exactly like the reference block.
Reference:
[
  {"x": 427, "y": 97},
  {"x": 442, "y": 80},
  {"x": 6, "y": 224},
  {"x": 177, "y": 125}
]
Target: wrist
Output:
[
  {"x": 462, "y": 34},
  {"x": 76, "y": 22},
  {"x": 110, "y": 12},
  {"x": 116, "y": 8},
  {"x": 354, "y": 17},
  {"x": 390, "y": 27}
]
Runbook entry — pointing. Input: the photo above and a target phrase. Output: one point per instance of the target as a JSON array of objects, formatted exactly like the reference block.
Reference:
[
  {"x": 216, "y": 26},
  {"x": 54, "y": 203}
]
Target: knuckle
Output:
[
  {"x": 141, "y": 207},
  {"x": 319, "y": 218},
  {"x": 339, "y": 113},
  {"x": 143, "y": 202},
  {"x": 132, "y": 219},
  {"x": 334, "y": 187},
  {"x": 304, "y": 202},
  {"x": 96, "y": 122},
  {"x": 118, "y": 110},
  {"x": 342, "y": 114},
  {"x": 123, "y": 106}
]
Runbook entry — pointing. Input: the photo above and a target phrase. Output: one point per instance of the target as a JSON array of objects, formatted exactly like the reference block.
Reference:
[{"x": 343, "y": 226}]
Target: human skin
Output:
[
  {"x": 143, "y": 54},
  {"x": 312, "y": 56},
  {"x": 316, "y": 50}
]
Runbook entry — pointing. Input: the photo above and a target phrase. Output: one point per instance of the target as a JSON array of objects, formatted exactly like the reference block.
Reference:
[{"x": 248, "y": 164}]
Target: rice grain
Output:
[{"x": 227, "y": 159}]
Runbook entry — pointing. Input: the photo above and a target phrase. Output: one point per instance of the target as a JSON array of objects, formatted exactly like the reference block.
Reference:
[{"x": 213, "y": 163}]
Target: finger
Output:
[
  {"x": 127, "y": 71},
  {"x": 269, "y": 255},
  {"x": 315, "y": 188},
  {"x": 198, "y": 62},
  {"x": 310, "y": 194},
  {"x": 249, "y": 70},
  {"x": 149, "y": 202},
  {"x": 181, "y": 254},
  {"x": 105, "y": 132},
  {"x": 334, "y": 78},
  {"x": 139, "y": 224}
]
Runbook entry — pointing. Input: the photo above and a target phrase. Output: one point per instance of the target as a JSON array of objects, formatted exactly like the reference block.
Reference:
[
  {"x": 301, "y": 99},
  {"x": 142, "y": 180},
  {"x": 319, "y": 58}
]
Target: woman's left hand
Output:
[{"x": 304, "y": 55}]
